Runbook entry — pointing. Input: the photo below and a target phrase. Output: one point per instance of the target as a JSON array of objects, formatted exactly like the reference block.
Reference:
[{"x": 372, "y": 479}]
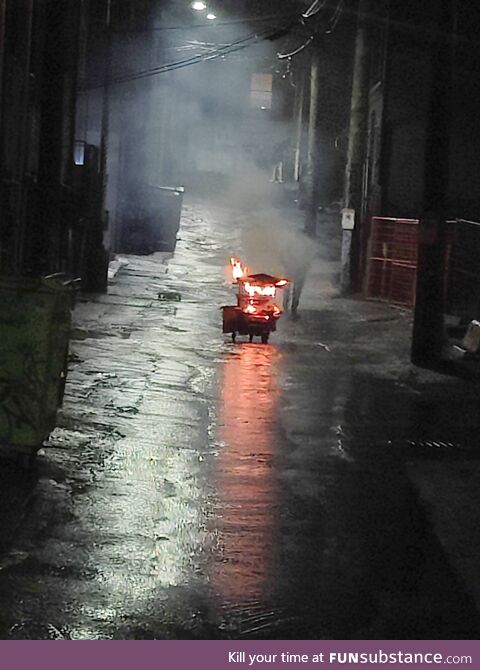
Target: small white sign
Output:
[{"x": 348, "y": 218}]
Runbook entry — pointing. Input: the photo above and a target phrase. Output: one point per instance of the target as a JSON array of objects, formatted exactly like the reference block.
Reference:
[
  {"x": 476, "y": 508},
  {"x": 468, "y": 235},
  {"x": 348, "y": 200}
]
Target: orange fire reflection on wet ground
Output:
[{"x": 247, "y": 496}]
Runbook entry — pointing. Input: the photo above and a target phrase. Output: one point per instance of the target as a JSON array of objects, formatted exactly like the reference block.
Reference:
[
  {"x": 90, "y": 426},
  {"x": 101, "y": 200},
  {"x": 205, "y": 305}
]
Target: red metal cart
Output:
[{"x": 256, "y": 312}]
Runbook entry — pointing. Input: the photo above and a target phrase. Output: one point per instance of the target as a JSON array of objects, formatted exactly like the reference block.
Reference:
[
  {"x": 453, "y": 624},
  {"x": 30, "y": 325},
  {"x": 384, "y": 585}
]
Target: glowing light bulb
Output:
[
  {"x": 199, "y": 6},
  {"x": 211, "y": 16}
]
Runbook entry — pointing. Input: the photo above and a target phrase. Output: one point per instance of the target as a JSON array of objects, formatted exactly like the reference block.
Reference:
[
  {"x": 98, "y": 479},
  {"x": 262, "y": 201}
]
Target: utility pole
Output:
[
  {"x": 298, "y": 121},
  {"x": 357, "y": 146},
  {"x": 105, "y": 121},
  {"x": 427, "y": 339},
  {"x": 312, "y": 145}
]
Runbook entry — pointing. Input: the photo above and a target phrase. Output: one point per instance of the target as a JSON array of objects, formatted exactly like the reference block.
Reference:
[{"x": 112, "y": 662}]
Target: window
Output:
[{"x": 261, "y": 91}]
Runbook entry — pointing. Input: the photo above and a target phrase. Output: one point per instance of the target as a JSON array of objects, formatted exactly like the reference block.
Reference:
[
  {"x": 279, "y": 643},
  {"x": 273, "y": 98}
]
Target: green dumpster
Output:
[{"x": 35, "y": 316}]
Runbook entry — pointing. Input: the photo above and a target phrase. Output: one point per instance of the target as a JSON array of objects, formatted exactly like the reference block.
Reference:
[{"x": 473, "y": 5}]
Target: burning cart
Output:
[{"x": 256, "y": 312}]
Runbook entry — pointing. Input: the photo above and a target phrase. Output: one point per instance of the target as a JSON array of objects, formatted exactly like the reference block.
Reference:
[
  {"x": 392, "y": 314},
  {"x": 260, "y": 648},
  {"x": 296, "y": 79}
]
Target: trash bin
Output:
[
  {"x": 35, "y": 317},
  {"x": 151, "y": 220},
  {"x": 167, "y": 214}
]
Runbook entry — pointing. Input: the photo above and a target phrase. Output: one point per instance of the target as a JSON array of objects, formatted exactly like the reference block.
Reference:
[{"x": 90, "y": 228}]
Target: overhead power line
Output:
[
  {"x": 209, "y": 54},
  {"x": 335, "y": 18},
  {"x": 297, "y": 51},
  {"x": 314, "y": 8},
  {"x": 222, "y": 51}
]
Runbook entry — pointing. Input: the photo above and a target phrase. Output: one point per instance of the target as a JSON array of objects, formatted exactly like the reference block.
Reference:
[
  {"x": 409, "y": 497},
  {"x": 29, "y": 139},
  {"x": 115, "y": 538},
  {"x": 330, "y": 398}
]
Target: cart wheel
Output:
[
  {"x": 234, "y": 337},
  {"x": 265, "y": 338},
  {"x": 250, "y": 338}
]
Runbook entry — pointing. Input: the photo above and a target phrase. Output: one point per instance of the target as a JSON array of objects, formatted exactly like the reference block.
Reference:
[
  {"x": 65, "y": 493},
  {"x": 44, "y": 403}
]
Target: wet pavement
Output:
[{"x": 197, "y": 488}]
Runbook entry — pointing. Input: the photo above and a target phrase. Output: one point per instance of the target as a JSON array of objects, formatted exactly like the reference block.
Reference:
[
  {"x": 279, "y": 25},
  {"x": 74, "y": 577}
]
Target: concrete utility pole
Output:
[
  {"x": 357, "y": 146},
  {"x": 105, "y": 121},
  {"x": 298, "y": 120},
  {"x": 312, "y": 146},
  {"x": 427, "y": 339}
]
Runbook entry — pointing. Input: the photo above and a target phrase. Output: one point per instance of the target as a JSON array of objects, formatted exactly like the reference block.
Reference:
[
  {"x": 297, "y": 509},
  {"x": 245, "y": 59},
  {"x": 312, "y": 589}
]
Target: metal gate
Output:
[{"x": 392, "y": 260}]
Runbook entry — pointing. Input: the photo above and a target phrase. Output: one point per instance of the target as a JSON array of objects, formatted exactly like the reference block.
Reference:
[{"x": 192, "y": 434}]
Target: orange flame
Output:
[
  {"x": 238, "y": 270},
  {"x": 253, "y": 311},
  {"x": 253, "y": 289}
]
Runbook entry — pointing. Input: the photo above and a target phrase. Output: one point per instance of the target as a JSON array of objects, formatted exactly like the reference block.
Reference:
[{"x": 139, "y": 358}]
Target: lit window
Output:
[{"x": 261, "y": 91}]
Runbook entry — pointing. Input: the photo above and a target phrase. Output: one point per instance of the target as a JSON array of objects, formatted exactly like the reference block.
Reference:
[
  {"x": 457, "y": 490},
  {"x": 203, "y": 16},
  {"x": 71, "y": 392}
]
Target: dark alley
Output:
[{"x": 200, "y": 489}]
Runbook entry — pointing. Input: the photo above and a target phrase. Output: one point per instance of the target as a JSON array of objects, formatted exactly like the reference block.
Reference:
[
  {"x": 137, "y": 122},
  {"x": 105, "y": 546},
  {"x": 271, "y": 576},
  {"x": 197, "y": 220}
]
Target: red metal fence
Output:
[
  {"x": 392, "y": 260},
  {"x": 392, "y": 265}
]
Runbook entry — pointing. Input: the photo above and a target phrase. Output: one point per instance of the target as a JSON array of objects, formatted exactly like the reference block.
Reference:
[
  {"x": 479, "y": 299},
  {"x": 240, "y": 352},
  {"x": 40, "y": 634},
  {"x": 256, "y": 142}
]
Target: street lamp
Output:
[
  {"x": 211, "y": 16},
  {"x": 199, "y": 6}
]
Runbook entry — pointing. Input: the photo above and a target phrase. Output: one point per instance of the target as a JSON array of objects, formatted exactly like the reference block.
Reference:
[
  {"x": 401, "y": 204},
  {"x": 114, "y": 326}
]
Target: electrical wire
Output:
[
  {"x": 222, "y": 51},
  {"x": 201, "y": 56},
  {"x": 297, "y": 51},
  {"x": 189, "y": 45},
  {"x": 209, "y": 54},
  {"x": 335, "y": 18},
  {"x": 314, "y": 8}
]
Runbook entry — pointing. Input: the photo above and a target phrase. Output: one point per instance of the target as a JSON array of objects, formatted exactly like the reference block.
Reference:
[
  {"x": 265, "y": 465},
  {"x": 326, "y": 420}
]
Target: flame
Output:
[
  {"x": 238, "y": 270},
  {"x": 250, "y": 309},
  {"x": 281, "y": 283},
  {"x": 254, "y": 289},
  {"x": 253, "y": 311}
]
